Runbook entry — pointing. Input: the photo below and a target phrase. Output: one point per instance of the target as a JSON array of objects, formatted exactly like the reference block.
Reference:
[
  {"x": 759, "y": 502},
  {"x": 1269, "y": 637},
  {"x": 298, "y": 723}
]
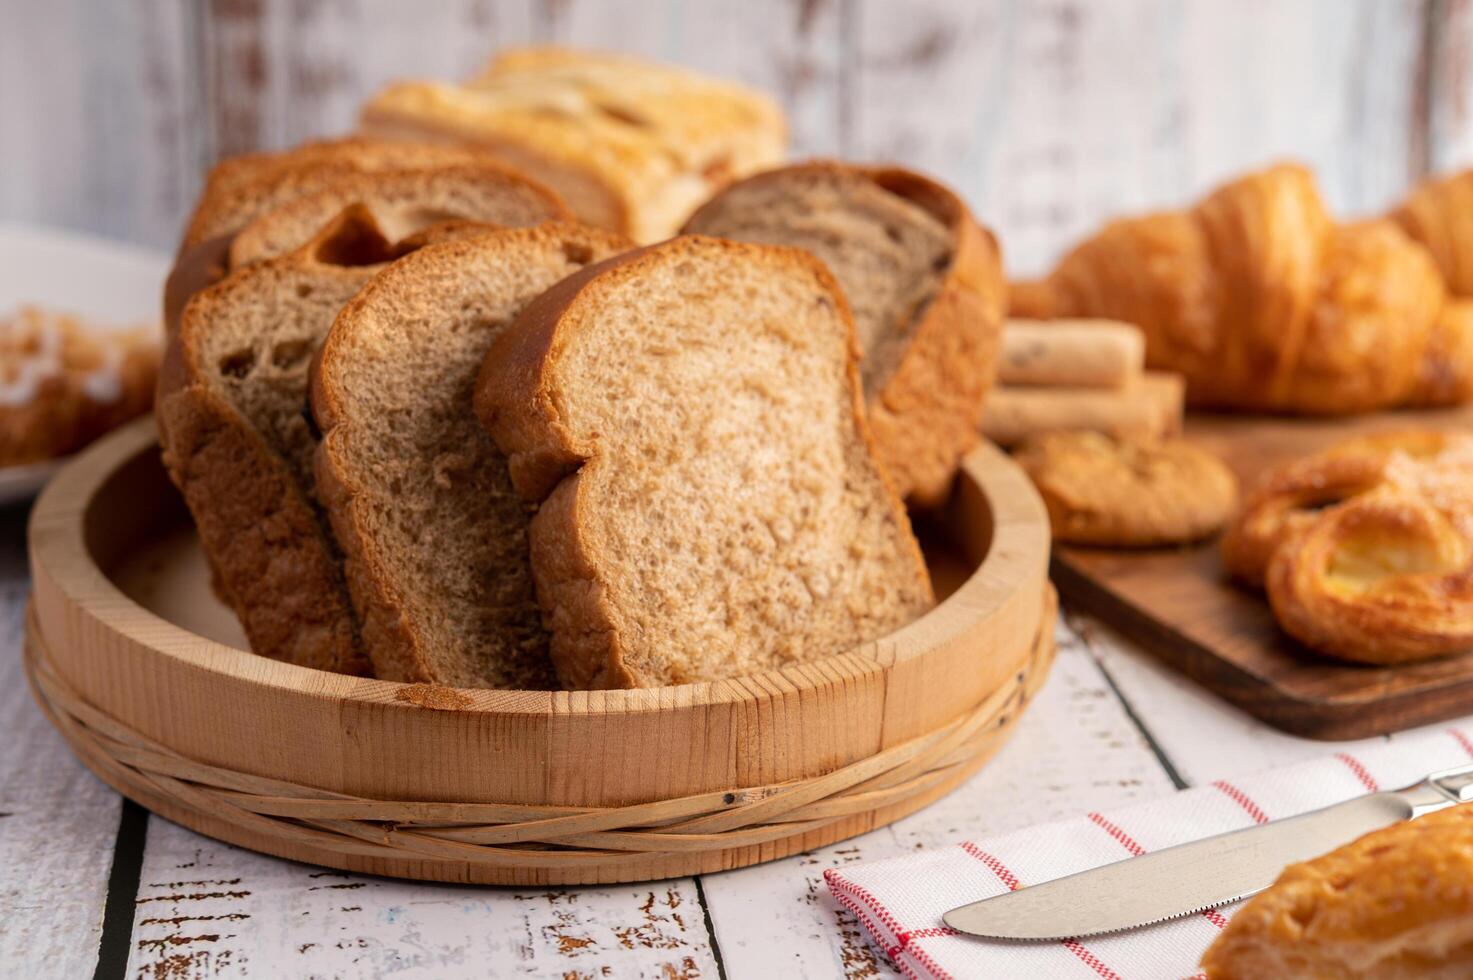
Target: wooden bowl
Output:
[{"x": 139, "y": 667}]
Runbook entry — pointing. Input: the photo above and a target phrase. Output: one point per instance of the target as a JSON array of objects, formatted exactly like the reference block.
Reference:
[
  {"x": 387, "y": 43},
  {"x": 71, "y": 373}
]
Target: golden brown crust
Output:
[
  {"x": 1128, "y": 493},
  {"x": 64, "y": 383},
  {"x": 1438, "y": 213},
  {"x": 1393, "y": 905},
  {"x": 632, "y": 146},
  {"x": 518, "y": 402},
  {"x": 1264, "y": 303},
  {"x": 1366, "y": 550}
]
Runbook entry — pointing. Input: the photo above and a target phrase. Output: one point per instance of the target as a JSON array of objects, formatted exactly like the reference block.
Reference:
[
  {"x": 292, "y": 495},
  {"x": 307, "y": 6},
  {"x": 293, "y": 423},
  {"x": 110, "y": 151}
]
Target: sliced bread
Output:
[
  {"x": 689, "y": 418},
  {"x": 434, "y": 535},
  {"x": 242, "y": 190},
  {"x": 926, "y": 287},
  {"x": 230, "y": 411}
]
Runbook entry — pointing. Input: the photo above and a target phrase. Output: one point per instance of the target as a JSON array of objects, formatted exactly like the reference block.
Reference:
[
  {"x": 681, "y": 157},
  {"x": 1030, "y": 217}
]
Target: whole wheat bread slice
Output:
[
  {"x": 419, "y": 496},
  {"x": 230, "y": 410},
  {"x": 689, "y": 417},
  {"x": 926, "y": 287}
]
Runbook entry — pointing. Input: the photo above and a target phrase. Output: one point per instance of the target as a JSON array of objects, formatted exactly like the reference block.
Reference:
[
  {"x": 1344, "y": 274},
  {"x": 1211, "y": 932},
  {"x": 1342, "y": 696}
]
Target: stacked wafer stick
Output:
[{"x": 1079, "y": 374}]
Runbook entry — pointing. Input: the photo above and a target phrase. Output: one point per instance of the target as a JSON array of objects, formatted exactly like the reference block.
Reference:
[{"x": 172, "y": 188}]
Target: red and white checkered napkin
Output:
[{"x": 901, "y": 901}]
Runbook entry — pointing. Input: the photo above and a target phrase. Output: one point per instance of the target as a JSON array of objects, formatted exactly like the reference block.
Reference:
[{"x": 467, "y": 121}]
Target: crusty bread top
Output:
[
  {"x": 419, "y": 496},
  {"x": 690, "y": 416},
  {"x": 402, "y": 202},
  {"x": 659, "y": 139},
  {"x": 241, "y": 188},
  {"x": 888, "y": 252}
]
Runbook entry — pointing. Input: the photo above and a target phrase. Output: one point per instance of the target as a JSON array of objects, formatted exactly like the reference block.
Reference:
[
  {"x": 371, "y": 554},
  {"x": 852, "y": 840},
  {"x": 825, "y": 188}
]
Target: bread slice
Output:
[
  {"x": 419, "y": 496},
  {"x": 689, "y": 418},
  {"x": 630, "y": 145},
  {"x": 926, "y": 287},
  {"x": 332, "y": 175},
  {"x": 230, "y": 410},
  {"x": 403, "y": 202}
]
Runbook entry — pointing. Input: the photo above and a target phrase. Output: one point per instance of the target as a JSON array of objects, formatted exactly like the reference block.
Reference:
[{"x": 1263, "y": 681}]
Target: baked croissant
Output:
[
  {"x": 1396, "y": 903},
  {"x": 1366, "y": 549},
  {"x": 1265, "y": 303}
]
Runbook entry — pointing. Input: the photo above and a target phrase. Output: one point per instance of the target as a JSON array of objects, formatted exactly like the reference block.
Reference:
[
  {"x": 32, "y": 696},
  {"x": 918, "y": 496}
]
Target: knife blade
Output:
[{"x": 1190, "y": 878}]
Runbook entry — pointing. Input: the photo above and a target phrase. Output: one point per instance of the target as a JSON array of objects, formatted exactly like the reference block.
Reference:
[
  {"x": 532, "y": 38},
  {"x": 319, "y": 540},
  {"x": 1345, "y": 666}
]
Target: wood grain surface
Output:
[
  {"x": 1179, "y": 604},
  {"x": 1047, "y": 115}
]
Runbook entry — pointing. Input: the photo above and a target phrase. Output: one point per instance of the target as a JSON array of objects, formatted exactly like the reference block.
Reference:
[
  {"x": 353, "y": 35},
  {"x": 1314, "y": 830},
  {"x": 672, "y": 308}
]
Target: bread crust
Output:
[
  {"x": 929, "y": 412},
  {"x": 518, "y": 402}
]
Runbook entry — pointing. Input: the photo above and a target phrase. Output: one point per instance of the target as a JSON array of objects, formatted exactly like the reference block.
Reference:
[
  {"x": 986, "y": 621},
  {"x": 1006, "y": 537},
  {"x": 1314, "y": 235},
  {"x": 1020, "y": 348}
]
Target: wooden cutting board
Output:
[{"x": 1179, "y": 605}]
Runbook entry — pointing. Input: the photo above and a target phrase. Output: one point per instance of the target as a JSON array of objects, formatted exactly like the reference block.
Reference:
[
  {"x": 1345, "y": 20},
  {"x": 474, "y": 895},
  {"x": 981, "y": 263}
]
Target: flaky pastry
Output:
[
  {"x": 1366, "y": 549},
  {"x": 1265, "y": 303},
  {"x": 1397, "y": 903}
]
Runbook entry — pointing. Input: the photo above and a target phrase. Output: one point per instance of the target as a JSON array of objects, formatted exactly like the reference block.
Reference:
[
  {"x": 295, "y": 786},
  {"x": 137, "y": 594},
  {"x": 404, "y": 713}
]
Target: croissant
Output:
[
  {"x": 1366, "y": 550},
  {"x": 1264, "y": 303}
]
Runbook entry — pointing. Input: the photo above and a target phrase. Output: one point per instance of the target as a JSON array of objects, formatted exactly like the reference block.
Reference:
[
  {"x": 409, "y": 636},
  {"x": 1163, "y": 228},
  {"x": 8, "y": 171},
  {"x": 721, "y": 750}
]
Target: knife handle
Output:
[{"x": 1456, "y": 784}]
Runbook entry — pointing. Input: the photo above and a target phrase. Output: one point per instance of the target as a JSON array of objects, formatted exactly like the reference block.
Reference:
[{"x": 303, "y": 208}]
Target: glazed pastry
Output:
[
  {"x": 1128, "y": 493},
  {"x": 1366, "y": 550},
  {"x": 63, "y": 383},
  {"x": 1397, "y": 903},
  {"x": 1265, "y": 303}
]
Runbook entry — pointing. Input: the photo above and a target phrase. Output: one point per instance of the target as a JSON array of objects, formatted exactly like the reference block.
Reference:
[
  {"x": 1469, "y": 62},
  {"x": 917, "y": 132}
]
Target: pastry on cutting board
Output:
[
  {"x": 1265, "y": 303},
  {"x": 1366, "y": 550},
  {"x": 924, "y": 282},
  {"x": 64, "y": 382},
  {"x": 1128, "y": 493},
  {"x": 1396, "y": 904},
  {"x": 631, "y": 146}
]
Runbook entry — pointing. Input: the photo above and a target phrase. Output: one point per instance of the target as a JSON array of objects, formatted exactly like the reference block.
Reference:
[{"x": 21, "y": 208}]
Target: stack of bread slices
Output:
[{"x": 433, "y": 428}]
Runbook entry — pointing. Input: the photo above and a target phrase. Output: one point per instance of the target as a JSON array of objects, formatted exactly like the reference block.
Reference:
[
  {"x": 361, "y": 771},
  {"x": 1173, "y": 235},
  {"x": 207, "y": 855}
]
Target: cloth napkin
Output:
[{"x": 901, "y": 901}]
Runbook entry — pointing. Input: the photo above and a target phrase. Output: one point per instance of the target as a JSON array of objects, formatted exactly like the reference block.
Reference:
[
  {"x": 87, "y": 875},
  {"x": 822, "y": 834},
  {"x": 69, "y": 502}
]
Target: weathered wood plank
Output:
[
  {"x": 1053, "y": 115},
  {"x": 206, "y": 909},
  {"x": 57, "y": 823},
  {"x": 1075, "y": 750},
  {"x": 1449, "y": 84}
]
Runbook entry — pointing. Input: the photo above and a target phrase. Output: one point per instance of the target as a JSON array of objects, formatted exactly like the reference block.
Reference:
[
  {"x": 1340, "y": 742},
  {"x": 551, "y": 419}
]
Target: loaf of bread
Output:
[
  {"x": 689, "y": 419},
  {"x": 925, "y": 286},
  {"x": 418, "y": 495},
  {"x": 64, "y": 382},
  {"x": 231, "y": 400},
  {"x": 631, "y": 146},
  {"x": 275, "y": 202}
]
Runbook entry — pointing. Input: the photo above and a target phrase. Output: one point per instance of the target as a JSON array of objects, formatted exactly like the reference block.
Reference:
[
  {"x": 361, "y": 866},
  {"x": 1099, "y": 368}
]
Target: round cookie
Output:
[{"x": 1128, "y": 493}]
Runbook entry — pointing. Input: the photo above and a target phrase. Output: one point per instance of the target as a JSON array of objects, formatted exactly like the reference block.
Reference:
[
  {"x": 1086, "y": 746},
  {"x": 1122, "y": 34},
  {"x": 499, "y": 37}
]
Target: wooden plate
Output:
[
  {"x": 140, "y": 669},
  {"x": 1180, "y": 605}
]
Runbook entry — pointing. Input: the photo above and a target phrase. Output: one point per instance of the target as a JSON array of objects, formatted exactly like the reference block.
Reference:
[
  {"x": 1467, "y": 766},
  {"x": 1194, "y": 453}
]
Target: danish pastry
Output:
[
  {"x": 63, "y": 384},
  {"x": 1265, "y": 303},
  {"x": 1128, "y": 493},
  {"x": 1366, "y": 550},
  {"x": 1397, "y": 903}
]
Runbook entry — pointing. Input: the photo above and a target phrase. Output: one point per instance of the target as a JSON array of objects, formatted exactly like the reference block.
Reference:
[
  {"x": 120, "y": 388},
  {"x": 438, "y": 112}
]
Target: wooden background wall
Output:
[{"x": 1047, "y": 114}]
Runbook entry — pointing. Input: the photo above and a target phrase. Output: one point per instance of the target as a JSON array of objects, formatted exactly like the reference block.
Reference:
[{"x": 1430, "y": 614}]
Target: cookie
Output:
[{"x": 1128, "y": 493}]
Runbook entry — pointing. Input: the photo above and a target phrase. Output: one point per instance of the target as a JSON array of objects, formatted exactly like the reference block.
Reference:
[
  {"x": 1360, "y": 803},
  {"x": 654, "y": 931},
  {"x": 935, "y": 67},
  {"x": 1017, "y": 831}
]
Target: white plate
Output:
[{"x": 112, "y": 284}]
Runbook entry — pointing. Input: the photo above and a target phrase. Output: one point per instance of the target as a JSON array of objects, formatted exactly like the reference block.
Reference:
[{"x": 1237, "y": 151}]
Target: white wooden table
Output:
[{"x": 90, "y": 884}]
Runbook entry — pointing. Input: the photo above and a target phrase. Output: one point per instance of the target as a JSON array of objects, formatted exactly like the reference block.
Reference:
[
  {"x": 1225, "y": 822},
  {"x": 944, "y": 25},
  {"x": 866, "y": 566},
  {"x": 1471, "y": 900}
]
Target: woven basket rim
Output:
[
  {"x": 1017, "y": 555},
  {"x": 522, "y": 835}
]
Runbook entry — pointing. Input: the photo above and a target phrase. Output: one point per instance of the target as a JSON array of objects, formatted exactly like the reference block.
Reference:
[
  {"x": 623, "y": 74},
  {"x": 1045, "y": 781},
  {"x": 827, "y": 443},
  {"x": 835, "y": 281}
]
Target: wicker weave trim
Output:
[{"x": 515, "y": 835}]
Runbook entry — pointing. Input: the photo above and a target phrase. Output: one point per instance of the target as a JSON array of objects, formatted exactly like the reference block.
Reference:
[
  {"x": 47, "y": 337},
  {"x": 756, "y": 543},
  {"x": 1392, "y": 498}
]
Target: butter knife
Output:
[{"x": 1190, "y": 878}]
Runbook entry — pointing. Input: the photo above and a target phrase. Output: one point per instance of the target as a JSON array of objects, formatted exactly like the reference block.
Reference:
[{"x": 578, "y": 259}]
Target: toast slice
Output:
[
  {"x": 244, "y": 190},
  {"x": 689, "y": 418},
  {"x": 230, "y": 410},
  {"x": 926, "y": 287},
  {"x": 419, "y": 496}
]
